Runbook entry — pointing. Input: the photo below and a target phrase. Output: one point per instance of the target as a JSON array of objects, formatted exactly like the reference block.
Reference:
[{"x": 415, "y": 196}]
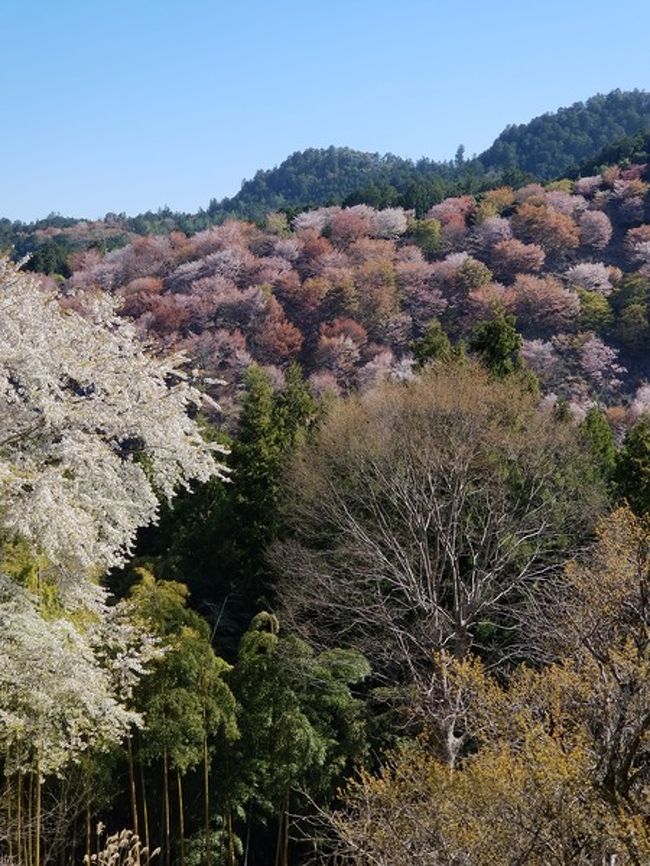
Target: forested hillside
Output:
[
  {"x": 334, "y": 175},
  {"x": 544, "y": 148},
  {"x": 547, "y": 147},
  {"x": 630, "y": 149},
  {"x": 351, "y": 293},
  {"x": 325, "y": 535}
]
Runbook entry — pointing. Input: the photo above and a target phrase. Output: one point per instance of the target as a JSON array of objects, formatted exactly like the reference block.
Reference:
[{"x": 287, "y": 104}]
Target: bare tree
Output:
[{"x": 422, "y": 513}]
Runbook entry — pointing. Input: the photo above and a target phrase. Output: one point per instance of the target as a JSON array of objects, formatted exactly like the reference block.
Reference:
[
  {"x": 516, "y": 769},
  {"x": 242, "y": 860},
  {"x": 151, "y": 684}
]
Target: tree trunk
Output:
[
  {"x": 88, "y": 833},
  {"x": 29, "y": 835},
  {"x": 285, "y": 837},
  {"x": 166, "y": 807},
  {"x": 278, "y": 843},
  {"x": 231, "y": 840},
  {"x": 248, "y": 836},
  {"x": 282, "y": 845},
  {"x": 132, "y": 788},
  {"x": 181, "y": 817},
  {"x": 37, "y": 830},
  {"x": 206, "y": 800},
  {"x": 145, "y": 811},
  {"x": 19, "y": 817},
  {"x": 10, "y": 829}
]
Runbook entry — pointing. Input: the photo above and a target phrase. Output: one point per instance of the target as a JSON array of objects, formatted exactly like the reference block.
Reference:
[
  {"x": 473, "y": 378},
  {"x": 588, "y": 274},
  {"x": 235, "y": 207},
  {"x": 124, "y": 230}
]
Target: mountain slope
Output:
[
  {"x": 544, "y": 148},
  {"x": 632, "y": 149},
  {"x": 320, "y": 176},
  {"x": 549, "y": 144}
]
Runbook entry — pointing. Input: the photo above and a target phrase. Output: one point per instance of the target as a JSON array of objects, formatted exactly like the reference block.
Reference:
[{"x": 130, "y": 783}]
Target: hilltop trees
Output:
[
  {"x": 569, "y": 259},
  {"x": 549, "y": 144}
]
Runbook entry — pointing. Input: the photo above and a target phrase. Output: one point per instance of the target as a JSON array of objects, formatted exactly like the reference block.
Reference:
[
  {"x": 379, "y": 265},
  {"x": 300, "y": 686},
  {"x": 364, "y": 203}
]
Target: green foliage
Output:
[
  {"x": 434, "y": 346},
  {"x": 215, "y": 538},
  {"x": 632, "y": 475},
  {"x": 185, "y": 699},
  {"x": 426, "y": 234},
  {"x": 548, "y": 145},
  {"x": 595, "y": 312},
  {"x": 299, "y": 720},
  {"x": 597, "y": 436},
  {"x": 497, "y": 343},
  {"x": 50, "y": 257},
  {"x": 315, "y": 177},
  {"x": 631, "y": 304},
  {"x": 630, "y": 149}
]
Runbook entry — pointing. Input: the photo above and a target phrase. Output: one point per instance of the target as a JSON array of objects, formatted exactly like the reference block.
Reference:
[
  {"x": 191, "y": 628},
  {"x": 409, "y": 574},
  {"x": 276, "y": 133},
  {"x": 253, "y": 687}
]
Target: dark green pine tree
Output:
[
  {"x": 632, "y": 474},
  {"x": 270, "y": 424},
  {"x": 497, "y": 343},
  {"x": 433, "y": 346},
  {"x": 215, "y": 539},
  {"x": 598, "y": 438}
]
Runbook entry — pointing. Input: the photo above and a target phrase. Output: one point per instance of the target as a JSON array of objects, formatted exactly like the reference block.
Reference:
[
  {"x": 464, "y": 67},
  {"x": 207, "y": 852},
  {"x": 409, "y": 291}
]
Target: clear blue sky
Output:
[{"x": 126, "y": 105}]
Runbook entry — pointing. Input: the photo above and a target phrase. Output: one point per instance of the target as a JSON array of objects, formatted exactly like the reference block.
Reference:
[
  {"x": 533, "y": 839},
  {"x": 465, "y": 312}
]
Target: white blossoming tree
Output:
[
  {"x": 94, "y": 431},
  {"x": 92, "y": 427}
]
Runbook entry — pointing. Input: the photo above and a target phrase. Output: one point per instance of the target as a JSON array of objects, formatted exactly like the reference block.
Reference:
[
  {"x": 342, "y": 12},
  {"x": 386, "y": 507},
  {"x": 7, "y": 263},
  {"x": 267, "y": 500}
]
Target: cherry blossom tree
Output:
[
  {"x": 510, "y": 257},
  {"x": 490, "y": 232},
  {"x": 57, "y": 700},
  {"x": 592, "y": 276},
  {"x": 595, "y": 229},
  {"x": 556, "y": 232},
  {"x": 542, "y": 304},
  {"x": 389, "y": 223},
  {"x": 347, "y": 227},
  {"x": 637, "y": 245},
  {"x": 587, "y": 186},
  {"x": 600, "y": 366},
  {"x": 641, "y": 404},
  {"x": 339, "y": 355},
  {"x": 541, "y": 357},
  {"x": 93, "y": 429},
  {"x": 422, "y": 299},
  {"x": 563, "y": 202},
  {"x": 458, "y": 274}
]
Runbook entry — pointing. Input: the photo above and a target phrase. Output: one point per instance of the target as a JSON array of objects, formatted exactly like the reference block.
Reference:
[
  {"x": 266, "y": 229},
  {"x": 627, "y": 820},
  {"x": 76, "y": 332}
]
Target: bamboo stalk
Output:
[
  {"x": 134, "y": 793},
  {"x": 181, "y": 816},
  {"x": 285, "y": 841},
  {"x": 231, "y": 840},
  {"x": 278, "y": 843},
  {"x": 206, "y": 800},
  {"x": 37, "y": 830},
  {"x": 166, "y": 807},
  {"x": 10, "y": 829},
  {"x": 88, "y": 833},
  {"x": 19, "y": 816},
  {"x": 145, "y": 808},
  {"x": 30, "y": 819},
  {"x": 248, "y": 835}
]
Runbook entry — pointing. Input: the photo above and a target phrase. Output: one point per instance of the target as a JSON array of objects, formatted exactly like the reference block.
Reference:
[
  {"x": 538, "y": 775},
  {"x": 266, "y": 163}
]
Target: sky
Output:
[{"x": 130, "y": 105}]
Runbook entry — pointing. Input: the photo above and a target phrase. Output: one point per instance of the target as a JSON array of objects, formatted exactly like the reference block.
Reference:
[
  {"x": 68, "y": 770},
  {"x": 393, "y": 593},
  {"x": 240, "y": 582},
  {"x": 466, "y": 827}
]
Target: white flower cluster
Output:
[
  {"x": 56, "y": 700},
  {"x": 92, "y": 428}
]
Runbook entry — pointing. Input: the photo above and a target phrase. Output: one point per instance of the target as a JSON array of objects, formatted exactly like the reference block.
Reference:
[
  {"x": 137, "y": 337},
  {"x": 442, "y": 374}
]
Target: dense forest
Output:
[
  {"x": 325, "y": 535},
  {"x": 551, "y": 143}
]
